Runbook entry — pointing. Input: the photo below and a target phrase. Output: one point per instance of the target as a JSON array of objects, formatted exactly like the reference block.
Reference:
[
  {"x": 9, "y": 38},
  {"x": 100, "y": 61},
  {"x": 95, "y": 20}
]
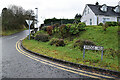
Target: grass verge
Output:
[
  {"x": 108, "y": 39},
  {"x": 10, "y": 32}
]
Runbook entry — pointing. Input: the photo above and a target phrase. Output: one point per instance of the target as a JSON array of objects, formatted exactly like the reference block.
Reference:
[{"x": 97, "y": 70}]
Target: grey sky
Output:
[{"x": 55, "y": 8}]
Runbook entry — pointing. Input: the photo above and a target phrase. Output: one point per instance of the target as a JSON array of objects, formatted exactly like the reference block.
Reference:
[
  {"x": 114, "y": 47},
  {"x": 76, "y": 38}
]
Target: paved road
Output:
[{"x": 17, "y": 65}]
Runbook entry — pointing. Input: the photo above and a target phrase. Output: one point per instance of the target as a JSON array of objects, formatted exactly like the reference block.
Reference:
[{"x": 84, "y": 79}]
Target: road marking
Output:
[
  {"x": 12, "y": 37},
  {"x": 60, "y": 66},
  {"x": 65, "y": 66}
]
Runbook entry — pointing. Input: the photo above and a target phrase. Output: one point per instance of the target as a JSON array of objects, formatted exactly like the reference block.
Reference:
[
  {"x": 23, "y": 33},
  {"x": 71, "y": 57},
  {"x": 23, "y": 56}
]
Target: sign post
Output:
[
  {"x": 93, "y": 48},
  {"x": 29, "y": 22}
]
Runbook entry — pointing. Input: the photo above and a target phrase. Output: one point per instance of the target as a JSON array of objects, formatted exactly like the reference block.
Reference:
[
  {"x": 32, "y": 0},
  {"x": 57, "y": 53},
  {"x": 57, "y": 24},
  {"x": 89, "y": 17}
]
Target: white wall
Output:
[
  {"x": 86, "y": 18},
  {"x": 111, "y": 18}
]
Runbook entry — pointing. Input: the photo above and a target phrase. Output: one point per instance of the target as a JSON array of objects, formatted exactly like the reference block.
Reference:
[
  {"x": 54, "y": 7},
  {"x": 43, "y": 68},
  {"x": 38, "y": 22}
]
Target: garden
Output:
[{"x": 66, "y": 42}]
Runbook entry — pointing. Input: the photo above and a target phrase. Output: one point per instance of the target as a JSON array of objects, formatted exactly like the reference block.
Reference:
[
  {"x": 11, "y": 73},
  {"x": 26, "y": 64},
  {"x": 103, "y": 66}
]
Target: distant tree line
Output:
[
  {"x": 55, "y": 20},
  {"x": 62, "y": 21},
  {"x": 14, "y": 17}
]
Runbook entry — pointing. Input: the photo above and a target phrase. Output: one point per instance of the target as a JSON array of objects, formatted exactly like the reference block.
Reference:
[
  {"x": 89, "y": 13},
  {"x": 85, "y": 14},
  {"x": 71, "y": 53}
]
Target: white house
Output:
[{"x": 95, "y": 14}]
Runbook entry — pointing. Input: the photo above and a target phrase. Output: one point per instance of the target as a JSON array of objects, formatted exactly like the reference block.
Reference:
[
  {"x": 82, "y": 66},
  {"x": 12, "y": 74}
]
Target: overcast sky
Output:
[{"x": 55, "y": 8}]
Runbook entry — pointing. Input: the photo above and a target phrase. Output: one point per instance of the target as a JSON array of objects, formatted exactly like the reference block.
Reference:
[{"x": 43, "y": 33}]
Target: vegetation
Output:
[
  {"x": 13, "y": 19},
  {"x": 9, "y": 32},
  {"x": 112, "y": 23},
  {"x": 72, "y": 45},
  {"x": 57, "y": 42},
  {"x": 42, "y": 37},
  {"x": 62, "y": 21},
  {"x": 55, "y": 20}
]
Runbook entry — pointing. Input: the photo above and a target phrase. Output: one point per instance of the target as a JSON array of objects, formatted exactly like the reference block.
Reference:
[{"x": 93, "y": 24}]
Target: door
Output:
[{"x": 90, "y": 21}]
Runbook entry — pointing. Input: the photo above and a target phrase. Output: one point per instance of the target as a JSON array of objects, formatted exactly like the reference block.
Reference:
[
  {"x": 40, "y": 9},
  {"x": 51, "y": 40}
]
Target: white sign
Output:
[
  {"x": 29, "y": 22},
  {"x": 93, "y": 47}
]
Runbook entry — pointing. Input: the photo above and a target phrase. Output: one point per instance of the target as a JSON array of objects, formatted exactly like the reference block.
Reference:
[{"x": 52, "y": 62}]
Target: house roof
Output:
[{"x": 97, "y": 11}]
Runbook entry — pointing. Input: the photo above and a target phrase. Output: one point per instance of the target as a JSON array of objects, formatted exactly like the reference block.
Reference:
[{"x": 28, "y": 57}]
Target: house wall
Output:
[
  {"x": 90, "y": 15},
  {"x": 87, "y": 15},
  {"x": 109, "y": 18}
]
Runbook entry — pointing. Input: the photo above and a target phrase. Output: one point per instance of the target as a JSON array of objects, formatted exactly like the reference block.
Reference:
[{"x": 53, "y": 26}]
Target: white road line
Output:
[{"x": 12, "y": 37}]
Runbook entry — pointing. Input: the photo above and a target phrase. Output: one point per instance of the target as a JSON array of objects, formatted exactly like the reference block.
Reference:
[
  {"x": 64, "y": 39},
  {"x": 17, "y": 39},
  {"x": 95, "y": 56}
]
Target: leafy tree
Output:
[
  {"x": 14, "y": 17},
  {"x": 77, "y": 18}
]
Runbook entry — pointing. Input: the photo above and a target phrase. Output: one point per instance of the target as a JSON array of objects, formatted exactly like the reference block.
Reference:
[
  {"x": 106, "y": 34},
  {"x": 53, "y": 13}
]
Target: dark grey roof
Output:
[{"x": 97, "y": 11}]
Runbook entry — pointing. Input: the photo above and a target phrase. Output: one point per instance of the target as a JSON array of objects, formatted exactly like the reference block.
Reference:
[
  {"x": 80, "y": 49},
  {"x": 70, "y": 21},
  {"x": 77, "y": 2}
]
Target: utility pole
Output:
[{"x": 36, "y": 17}]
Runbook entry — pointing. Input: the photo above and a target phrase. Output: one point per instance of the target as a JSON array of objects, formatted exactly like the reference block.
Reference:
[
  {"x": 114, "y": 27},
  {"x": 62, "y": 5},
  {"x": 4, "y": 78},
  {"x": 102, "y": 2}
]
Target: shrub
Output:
[
  {"x": 105, "y": 26},
  {"x": 81, "y": 26},
  {"x": 80, "y": 43},
  {"x": 112, "y": 23},
  {"x": 32, "y": 37},
  {"x": 100, "y": 24},
  {"x": 42, "y": 37},
  {"x": 76, "y": 28},
  {"x": 57, "y": 25},
  {"x": 49, "y": 30},
  {"x": 87, "y": 42},
  {"x": 118, "y": 23},
  {"x": 55, "y": 28},
  {"x": 63, "y": 30},
  {"x": 44, "y": 28},
  {"x": 73, "y": 30},
  {"x": 57, "y": 42}
]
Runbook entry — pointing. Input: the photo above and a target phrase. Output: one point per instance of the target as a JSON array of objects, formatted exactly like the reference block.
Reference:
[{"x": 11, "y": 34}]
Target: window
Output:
[
  {"x": 88, "y": 11},
  {"x": 104, "y": 8},
  {"x": 106, "y": 19},
  {"x": 90, "y": 21},
  {"x": 117, "y": 9}
]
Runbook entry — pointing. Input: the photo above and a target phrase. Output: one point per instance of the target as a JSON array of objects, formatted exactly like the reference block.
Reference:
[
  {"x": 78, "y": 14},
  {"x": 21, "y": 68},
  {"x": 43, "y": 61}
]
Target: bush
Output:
[
  {"x": 112, "y": 23},
  {"x": 74, "y": 30},
  {"x": 55, "y": 28},
  {"x": 44, "y": 28},
  {"x": 100, "y": 24},
  {"x": 64, "y": 30},
  {"x": 80, "y": 43},
  {"x": 32, "y": 37},
  {"x": 81, "y": 26},
  {"x": 49, "y": 30},
  {"x": 42, "y": 37},
  {"x": 87, "y": 42},
  {"x": 118, "y": 23},
  {"x": 105, "y": 26},
  {"x": 57, "y": 42}
]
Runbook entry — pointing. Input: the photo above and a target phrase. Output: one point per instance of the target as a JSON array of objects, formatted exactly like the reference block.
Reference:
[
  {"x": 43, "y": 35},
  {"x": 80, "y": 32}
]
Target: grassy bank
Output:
[
  {"x": 108, "y": 39},
  {"x": 9, "y": 32}
]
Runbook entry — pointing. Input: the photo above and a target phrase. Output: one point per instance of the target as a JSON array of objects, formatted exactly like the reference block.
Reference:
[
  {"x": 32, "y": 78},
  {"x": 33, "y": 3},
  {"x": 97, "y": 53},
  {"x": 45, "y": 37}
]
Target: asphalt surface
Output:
[{"x": 16, "y": 65}]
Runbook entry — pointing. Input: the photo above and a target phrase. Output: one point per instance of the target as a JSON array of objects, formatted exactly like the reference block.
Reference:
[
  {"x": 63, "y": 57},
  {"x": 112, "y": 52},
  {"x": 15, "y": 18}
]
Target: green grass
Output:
[
  {"x": 108, "y": 39},
  {"x": 9, "y": 32}
]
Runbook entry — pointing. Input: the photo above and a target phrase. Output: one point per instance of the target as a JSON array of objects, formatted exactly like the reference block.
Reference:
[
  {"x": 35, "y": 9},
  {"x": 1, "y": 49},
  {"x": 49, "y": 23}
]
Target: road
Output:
[{"x": 15, "y": 64}]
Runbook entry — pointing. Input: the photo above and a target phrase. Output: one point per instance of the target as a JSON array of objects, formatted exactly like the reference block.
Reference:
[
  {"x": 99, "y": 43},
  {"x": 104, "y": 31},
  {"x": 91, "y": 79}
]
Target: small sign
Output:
[
  {"x": 29, "y": 22},
  {"x": 93, "y": 48}
]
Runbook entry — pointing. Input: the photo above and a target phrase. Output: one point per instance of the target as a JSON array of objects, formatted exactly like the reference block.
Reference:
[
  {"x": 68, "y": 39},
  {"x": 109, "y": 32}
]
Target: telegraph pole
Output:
[{"x": 36, "y": 17}]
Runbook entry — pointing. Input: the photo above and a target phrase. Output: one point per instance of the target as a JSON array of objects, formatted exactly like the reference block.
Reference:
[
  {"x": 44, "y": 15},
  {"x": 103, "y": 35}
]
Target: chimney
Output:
[{"x": 96, "y": 3}]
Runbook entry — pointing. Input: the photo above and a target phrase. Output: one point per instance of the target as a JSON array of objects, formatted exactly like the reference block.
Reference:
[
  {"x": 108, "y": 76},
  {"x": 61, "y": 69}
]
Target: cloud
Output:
[{"x": 55, "y": 8}]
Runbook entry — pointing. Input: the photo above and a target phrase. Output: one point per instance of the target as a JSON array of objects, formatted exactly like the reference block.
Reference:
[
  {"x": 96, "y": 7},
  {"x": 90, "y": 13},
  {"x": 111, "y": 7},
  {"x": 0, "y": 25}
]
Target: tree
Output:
[
  {"x": 14, "y": 17},
  {"x": 77, "y": 18}
]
